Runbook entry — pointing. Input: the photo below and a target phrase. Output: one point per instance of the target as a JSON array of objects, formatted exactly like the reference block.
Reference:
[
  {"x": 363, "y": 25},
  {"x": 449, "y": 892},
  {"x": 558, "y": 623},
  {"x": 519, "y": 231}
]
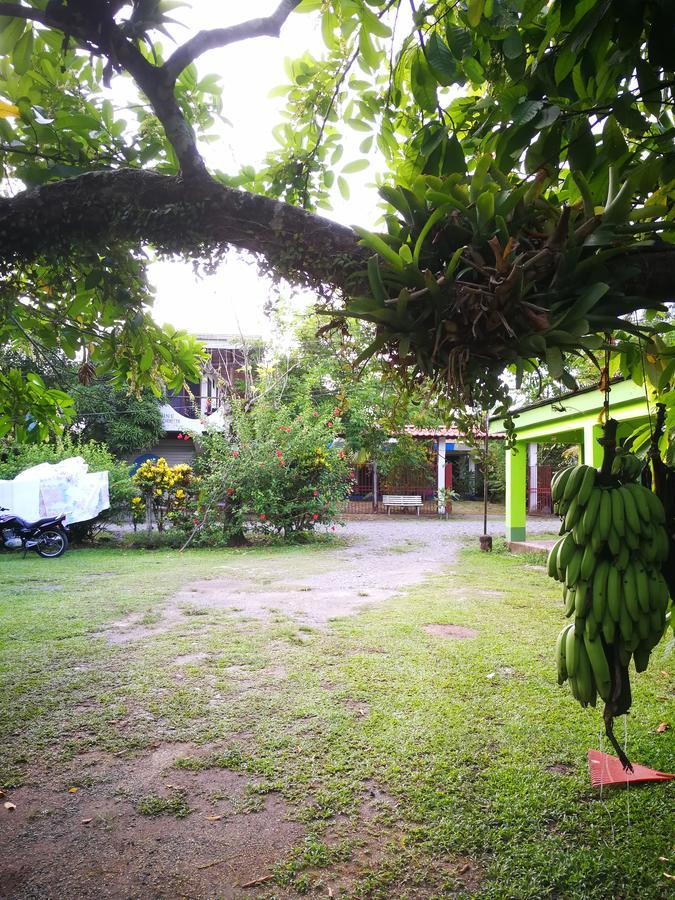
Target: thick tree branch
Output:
[
  {"x": 174, "y": 215},
  {"x": 269, "y": 26},
  {"x": 16, "y": 11}
]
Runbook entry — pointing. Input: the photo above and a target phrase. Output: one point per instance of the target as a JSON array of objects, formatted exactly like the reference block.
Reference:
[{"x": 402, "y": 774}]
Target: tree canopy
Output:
[{"x": 528, "y": 205}]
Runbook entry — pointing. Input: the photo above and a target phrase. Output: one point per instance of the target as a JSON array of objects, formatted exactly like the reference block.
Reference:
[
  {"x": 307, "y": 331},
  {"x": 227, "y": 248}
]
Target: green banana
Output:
[
  {"x": 625, "y": 623},
  {"x": 558, "y": 483},
  {"x": 618, "y": 516},
  {"x": 614, "y": 542},
  {"x": 572, "y": 644},
  {"x": 587, "y": 562},
  {"x": 624, "y": 654},
  {"x": 586, "y": 485},
  {"x": 572, "y": 573},
  {"x": 642, "y": 504},
  {"x": 592, "y": 626},
  {"x": 599, "y": 597},
  {"x": 605, "y": 514},
  {"x": 614, "y": 593},
  {"x": 552, "y": 562},
  {"x": 661, "y": 543},
  {"x": 658, "y": 513},
  {"x": 583, "y": 674},
  {"x": 623, "y": 557},
  {"x": 630, "y": 597},
  {"x": 573, "y": 513},
  {"x": 574, "y": 482},
  {"x": 608, "y": 629},
  {"x": 599, "y": 665},
  {"x": 581, "y": 599},
  {"x": 566, "y": 550},
  {"x": 632, "y": 539},
  {"x": 642, "y": 587},
  {"x": 631, "y": 514},
  {"x": 641, "y": 657},
  {"x": 592, "y": 509},
  {"x": 570, "y": 596},
  {"x": 561, "y": 656}
]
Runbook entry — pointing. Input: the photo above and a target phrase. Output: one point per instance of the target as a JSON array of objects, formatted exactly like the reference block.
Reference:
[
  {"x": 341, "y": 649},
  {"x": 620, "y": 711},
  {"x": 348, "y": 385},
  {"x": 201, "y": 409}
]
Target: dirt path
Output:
[{"x": 381, "y": 556}]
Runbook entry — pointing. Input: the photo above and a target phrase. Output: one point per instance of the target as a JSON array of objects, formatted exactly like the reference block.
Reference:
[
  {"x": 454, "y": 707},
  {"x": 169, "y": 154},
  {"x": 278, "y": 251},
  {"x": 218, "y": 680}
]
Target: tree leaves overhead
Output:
[{"x": 528, "y": 150}]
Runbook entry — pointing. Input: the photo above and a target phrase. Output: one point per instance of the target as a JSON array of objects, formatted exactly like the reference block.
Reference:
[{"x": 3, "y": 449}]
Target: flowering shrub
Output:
[
  {"x": 281, "y": 470},
  {"x": 167, "y": 491}
]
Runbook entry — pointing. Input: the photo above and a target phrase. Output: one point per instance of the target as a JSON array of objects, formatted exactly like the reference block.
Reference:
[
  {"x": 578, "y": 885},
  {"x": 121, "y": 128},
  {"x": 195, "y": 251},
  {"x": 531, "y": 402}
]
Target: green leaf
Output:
[
  {"x": 423, "y": 83},
  {"x": 613, "y": 140},
  {"x": 11, "y": 30},
  {"x": 513, "y": 44},
  {"x": 564, "y": 64},
  {"x": 581, "y": 150},
  {"x": 441, "y": 60},
  {"x": 23, "y": 52},
  {"x": 343, "y": 187},
  {"x": 357, "y": 166},
  {"x": 547, "y": 117},
  {"x": 475, "y": 12},
  {"x": 473, "y": 69},
  {"x": 525, "y": 111}
]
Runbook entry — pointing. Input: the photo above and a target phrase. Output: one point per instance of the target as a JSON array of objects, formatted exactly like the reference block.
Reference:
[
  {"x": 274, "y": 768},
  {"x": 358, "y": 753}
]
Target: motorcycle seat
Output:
[{"x": 48, "y": 520}]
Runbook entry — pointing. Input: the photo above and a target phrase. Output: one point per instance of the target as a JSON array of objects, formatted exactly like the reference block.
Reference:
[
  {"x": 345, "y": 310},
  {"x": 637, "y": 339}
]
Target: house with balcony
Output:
[{"x": 204, "y": 404}]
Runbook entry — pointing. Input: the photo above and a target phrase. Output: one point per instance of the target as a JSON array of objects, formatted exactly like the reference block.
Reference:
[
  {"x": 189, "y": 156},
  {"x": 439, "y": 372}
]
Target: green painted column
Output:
[
  {"x": 592, "y": 449},
  {"x": 516, "y": 484}
]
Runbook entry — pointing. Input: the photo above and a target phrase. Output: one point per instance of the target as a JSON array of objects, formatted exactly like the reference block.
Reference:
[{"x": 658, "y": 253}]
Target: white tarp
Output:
[{"x": 53, "y": 489}]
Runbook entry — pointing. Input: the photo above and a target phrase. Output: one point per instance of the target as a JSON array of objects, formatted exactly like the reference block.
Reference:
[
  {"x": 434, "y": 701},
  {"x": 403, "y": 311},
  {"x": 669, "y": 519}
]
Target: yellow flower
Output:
[
  {"x": 136, "y": 500},
  {"x": 180, "y": 493}
]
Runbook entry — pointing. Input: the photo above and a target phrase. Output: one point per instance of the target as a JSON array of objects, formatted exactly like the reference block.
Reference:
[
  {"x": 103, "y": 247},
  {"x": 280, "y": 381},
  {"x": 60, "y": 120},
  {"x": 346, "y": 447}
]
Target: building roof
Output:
[
  {"x": 228, "y": 341},
  {"x": 447, "y": 431}
]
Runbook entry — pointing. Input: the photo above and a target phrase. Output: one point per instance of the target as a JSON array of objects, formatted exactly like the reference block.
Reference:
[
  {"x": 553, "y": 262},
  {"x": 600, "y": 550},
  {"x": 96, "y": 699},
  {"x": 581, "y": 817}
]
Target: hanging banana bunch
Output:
[{"x": 609, "y": 557}]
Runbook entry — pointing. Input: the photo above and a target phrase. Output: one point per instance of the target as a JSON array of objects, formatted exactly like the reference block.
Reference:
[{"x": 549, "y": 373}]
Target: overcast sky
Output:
[{"x": 232, "y": 300}]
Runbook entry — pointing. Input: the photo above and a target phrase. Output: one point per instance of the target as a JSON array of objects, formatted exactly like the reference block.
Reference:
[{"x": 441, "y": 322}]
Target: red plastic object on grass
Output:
[{"x": 606, "y": 769}]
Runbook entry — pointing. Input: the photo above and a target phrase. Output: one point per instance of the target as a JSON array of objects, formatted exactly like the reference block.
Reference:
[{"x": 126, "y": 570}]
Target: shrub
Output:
[
  {"x": 279, "y": 470},
  {"x": 167, "y": 491}
]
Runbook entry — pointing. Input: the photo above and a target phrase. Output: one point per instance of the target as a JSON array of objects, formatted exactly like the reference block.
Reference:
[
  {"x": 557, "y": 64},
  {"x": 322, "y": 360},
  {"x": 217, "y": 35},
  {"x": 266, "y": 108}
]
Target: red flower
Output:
[
  {"x": 281, "y": 462},
  {"x": 180, "y": 436},
  {"x": 230, "y": 491},
  {"x": 329, "y": 424},
  {"x": 196, "y": 521},
  {"x": 315, "y": 516},
  {"x": 341, "y": 454},
  {"x": 336, "y": 411},
  {"x": 235, "y": 453},
  {"x": 281, "y": 428},
  {"x": 316, "y": 493},
  {"x": 288, "y": 430},
  {"x": 262, "y": 517},
  {"x": 315, "y": 413},
  {"x": 278, "y": 453}
]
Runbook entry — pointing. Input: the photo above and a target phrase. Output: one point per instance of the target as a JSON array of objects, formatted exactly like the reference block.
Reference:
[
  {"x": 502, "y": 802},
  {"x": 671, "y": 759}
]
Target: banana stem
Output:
[{"x": 608, "y": 442}]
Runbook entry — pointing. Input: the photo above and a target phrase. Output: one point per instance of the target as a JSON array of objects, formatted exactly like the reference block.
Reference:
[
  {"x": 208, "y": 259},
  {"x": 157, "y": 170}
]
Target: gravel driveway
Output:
[{"x": 380, "y": 556}]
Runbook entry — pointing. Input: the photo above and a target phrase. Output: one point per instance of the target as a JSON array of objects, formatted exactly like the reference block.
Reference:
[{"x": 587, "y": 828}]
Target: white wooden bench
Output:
[{"x": 401, "y": 501}]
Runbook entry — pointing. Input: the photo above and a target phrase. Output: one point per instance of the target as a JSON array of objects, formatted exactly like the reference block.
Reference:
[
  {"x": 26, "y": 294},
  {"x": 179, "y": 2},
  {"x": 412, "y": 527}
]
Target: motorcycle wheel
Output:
[{"x": 51, "y": 543}]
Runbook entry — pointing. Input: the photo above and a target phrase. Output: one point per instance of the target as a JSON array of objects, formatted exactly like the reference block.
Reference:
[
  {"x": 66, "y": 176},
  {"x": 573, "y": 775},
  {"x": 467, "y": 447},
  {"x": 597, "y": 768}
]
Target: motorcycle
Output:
[{"x": 48, "y": 537}]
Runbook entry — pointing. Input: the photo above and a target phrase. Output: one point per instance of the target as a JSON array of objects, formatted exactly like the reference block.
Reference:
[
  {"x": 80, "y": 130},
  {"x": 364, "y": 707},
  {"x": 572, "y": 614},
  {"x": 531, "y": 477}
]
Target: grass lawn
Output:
[{"x": 410, "y": 764}]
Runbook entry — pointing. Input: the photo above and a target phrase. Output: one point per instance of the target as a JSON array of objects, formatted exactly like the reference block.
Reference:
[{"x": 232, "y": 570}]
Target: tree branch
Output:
[
  {"x": 269, "y": 26},
  {"x": 16, "y": 11},
  {"x": 175, "y": 216}
]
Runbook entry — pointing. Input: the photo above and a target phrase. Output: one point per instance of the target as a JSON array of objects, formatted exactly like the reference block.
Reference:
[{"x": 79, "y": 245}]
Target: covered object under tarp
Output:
[{"x": 53, "y": 489}]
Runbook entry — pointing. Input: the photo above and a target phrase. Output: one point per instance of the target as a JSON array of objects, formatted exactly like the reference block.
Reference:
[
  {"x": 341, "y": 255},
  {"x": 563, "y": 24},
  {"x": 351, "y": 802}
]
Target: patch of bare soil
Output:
[
  {"x": 451, "y": 631},
  {"x": 93, "y": 842}
]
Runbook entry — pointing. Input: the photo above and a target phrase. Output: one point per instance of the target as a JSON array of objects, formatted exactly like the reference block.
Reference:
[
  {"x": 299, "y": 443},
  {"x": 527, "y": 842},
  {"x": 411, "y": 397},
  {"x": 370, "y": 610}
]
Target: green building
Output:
[{"x": 573, "y": 419}]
